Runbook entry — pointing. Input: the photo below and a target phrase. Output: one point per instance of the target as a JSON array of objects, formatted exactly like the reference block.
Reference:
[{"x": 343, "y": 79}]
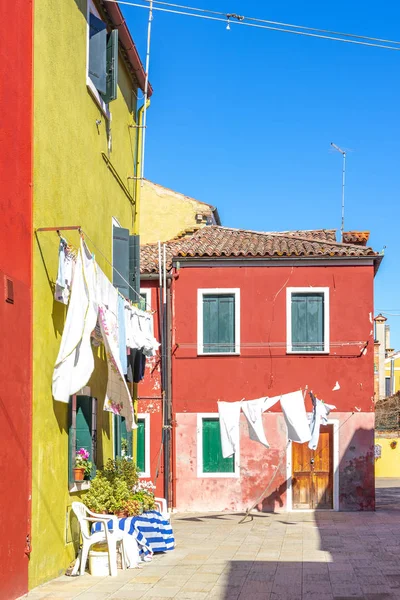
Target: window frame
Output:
[
  {"x": 77, "y": 486},
  {"x": 201, "y": 292},
  {"x": 146, "y": 418},
  {"x": 307, "y": 290},
  {"x": 91, "y": 8},
  {"x": 200, "y": 473},
  {"x": 146, "y": 292}
]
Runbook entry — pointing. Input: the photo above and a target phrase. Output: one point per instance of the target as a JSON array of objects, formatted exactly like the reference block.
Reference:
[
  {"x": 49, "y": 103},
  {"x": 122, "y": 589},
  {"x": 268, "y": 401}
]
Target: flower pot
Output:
[{"x": 79, "y": 473}]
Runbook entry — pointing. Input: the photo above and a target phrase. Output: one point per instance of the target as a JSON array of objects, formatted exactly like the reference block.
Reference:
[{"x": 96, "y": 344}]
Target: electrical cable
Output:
[
  {"x": 258, "y": 25},
  {"x": 282, "y": 24}
]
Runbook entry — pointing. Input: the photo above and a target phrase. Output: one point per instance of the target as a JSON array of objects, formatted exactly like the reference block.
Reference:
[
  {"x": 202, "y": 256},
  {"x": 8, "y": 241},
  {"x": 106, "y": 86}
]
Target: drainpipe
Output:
[{"x": 138, "y": 169}]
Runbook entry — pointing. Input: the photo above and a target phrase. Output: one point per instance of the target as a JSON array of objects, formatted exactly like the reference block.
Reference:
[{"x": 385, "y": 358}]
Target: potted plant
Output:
[
  {"x": 83, "y": 466},
  {"x": 111, "y": 491}
]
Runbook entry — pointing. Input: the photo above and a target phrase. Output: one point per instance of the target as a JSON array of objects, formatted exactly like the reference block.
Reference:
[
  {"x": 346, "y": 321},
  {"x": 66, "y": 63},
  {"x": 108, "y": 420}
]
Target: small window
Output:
[
  {"x": 388, "y": 386},
  {"x": 102, "y": 68},
  {"x": 82, "y": 432},
  {"x": 308, "y": 320},
  {"x": 123, "y": 445},
  {"x": 210, "y": 460},
  {"x": 145, "y": 299},
  {"x": 218, "y": 321}
]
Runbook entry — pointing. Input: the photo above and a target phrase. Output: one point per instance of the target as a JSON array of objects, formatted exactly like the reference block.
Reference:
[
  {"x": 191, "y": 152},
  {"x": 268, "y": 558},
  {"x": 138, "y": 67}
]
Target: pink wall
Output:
[{"x": 16, "y": 317}]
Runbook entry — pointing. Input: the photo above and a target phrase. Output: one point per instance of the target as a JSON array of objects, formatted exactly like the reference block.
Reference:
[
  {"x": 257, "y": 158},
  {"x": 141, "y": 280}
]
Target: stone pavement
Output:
[{"x": 296, "y": 556}]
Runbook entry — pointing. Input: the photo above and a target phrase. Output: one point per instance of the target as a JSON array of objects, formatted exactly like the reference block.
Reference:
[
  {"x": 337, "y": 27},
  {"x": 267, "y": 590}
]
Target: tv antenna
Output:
[{"x": 343, "y": 153}]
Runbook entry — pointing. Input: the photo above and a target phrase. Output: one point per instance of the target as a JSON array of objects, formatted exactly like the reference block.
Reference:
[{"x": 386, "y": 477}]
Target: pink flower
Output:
[{"x": 83, "y": 453}]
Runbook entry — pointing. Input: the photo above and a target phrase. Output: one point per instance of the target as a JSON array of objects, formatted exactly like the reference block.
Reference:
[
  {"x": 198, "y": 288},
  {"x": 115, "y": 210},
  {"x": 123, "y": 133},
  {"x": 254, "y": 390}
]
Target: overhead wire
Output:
[
  {"x": 282, "y": 24},
  {"x": 259, "y": 24}
]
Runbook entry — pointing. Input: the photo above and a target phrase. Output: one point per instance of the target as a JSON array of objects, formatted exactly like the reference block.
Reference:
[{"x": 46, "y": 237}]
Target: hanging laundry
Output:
[
  {"x": 122, "y": 334},
  {"x": 75, "y": 362},
  {"x": 66, "y": 264},
  {"x": 118, "y": 399},
  {"x": 319, "y": 416},
  {"x": 295, "y": 416},
  {"x": 229, "y": 421},
  {"x": 136, "y": 366},
  {"x": 253, "y": 410}
]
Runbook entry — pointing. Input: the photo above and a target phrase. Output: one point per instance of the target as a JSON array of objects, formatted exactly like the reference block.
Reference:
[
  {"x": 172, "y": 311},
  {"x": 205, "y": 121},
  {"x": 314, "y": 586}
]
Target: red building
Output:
[
  {"x": 16, "y": 298},
  {"x": 248, "y": 315}
]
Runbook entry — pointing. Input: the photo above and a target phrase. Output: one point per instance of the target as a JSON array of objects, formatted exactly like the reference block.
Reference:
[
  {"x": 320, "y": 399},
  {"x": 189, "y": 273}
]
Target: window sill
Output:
[
  {"x": 218, "y": 475},
  {"x": 307, "y": 352},
  {"x": 200, "y": 353},
  {"x": 79, "y": 486},
  {"x": 97, "y": 98}
]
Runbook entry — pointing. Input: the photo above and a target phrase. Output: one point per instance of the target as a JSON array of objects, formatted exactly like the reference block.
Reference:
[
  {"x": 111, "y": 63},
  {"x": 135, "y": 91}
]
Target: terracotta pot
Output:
[
  {"x": 121, "y": 514},
  {"x": 79, "y": 473}
]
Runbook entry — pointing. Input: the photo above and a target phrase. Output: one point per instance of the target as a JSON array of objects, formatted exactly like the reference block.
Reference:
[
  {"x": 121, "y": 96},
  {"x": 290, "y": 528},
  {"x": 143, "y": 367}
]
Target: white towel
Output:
[
  {"x": 295, "y": 416},
  {"x": 253, "y": 410},
  {"x": 75, "y": 362},
  {"x": 229, "y": 421},
  {"x": 320, "y": 414}
]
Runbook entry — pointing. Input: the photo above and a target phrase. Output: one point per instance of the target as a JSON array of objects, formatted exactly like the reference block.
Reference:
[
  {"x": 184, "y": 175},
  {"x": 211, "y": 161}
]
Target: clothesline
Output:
[{"x": 83, "y": 233}]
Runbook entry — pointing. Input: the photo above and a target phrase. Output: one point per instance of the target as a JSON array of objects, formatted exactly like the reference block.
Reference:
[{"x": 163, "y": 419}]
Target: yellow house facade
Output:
[
  {"x": 85, "y": 152},
  {"x": 392, "y": 374},
  {"x": 164, "y": 213}
]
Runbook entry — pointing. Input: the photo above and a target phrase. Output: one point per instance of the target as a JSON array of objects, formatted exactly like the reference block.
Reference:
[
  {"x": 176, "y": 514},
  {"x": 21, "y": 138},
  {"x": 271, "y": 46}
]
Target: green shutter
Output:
[
  {"x": 308, "y": 322},
  {"x": 213, "y": 462},
  {"x": 111, "y": 67},
  {"x": 219, "y": 323},
  {"x": 134, "y": 267},
  {"x": 81, "y": 432},
  {"x": 141, "y": 445},
  {"x": 121, "y": 260},
  {"x": 122, "y": 437},
  {"x": 97, "y": 52}
]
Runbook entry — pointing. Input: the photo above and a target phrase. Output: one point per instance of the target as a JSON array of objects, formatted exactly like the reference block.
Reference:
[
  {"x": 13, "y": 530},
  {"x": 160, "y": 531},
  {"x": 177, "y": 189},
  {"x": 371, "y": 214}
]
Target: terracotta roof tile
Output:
[{"x": 216, "y": 241}]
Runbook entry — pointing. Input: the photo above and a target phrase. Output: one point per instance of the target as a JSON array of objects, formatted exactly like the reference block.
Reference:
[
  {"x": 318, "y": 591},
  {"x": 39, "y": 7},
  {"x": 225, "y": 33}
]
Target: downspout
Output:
[
  {"x": 136, "y": 229},
  {"x": 138, "y": 168},
  {"x": 168, "y": 469}
]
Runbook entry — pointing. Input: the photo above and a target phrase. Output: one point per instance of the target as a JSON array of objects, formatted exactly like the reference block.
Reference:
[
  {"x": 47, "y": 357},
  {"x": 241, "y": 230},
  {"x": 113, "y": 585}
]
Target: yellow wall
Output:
[
  {"x": 388, "y": 465},
  {"x": 396, "y": 372},
  {"x": 72, "y": 186},
  {"x": 165, "y": 213}
]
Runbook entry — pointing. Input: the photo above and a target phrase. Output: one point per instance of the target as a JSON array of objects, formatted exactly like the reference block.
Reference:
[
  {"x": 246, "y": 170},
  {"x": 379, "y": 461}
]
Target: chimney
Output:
[
  {"x": 387, "y": 337},
  {"x": 380, "y": 337},
  {"x": 357, "y": 238}
]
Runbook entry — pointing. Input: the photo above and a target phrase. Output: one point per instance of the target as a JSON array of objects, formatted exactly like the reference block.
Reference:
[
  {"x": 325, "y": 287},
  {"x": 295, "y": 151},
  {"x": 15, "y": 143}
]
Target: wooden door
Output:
[{"x": 312, "y": 472}]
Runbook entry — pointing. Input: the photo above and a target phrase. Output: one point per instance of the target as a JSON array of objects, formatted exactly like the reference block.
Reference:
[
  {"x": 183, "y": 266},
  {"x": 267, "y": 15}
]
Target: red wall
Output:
[
  {"x": 149, "y": 394},
  {"x": 199, "y": 381},
  {"x": 16, "y": 318}
]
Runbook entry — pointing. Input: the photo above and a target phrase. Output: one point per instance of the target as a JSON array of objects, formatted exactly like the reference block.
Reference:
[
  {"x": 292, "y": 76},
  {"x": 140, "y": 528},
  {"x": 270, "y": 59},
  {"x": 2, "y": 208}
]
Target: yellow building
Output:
[
  {"x": 86, "y": 77},
  {"x": 165, "y": 213},
  {"x": 392, "y": 374}
]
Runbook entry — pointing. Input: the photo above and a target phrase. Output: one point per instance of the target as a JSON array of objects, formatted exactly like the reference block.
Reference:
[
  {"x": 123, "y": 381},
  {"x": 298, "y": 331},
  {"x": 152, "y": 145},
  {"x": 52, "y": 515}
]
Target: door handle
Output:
[{"x": 311, "y": 461}]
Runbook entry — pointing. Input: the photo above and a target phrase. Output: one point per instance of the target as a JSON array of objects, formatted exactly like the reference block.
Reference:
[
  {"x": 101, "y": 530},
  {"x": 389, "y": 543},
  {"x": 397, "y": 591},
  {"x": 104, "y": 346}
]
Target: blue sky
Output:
[{"x": 243, "y": 119}]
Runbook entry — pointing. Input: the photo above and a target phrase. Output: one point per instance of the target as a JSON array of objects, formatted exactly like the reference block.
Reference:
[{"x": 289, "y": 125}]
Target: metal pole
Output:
[
  {"x": 343, "y": 153},
  {"x": 343, "y": 185},
  {"x": 146, "y": 86}
]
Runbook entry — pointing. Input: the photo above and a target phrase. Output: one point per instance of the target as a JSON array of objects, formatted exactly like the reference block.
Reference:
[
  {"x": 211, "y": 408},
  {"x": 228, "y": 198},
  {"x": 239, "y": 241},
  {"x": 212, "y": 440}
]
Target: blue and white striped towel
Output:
[{"x": 152, "y": 532}]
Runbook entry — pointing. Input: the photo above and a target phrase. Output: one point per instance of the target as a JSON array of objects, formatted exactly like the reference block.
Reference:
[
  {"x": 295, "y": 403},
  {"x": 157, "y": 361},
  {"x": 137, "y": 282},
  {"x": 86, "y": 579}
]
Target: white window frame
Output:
[
  {"x": 146, "y": 472},
  {"x": 307, "y": 290},
  {"x": 147, "y": 293},
  {"x": 91, "y": 8},
  {"x": 222, "y": 291},
  {"x": 200, "y": 473}
]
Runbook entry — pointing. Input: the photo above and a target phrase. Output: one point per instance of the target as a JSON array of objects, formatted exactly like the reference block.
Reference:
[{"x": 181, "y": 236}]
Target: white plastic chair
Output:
[
  {"x": 112, "y": 538},
  {"x": 162, "y": 508}
]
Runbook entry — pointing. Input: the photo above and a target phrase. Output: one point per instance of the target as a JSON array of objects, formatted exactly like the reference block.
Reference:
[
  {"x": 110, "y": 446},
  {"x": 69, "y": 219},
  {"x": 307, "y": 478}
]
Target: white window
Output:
[
  {"x": 102, "y": 60},
  {"x": 210, "y": 462},
  {"x": 307, "y": 320},
  {"x": 218, "y": 321}
]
